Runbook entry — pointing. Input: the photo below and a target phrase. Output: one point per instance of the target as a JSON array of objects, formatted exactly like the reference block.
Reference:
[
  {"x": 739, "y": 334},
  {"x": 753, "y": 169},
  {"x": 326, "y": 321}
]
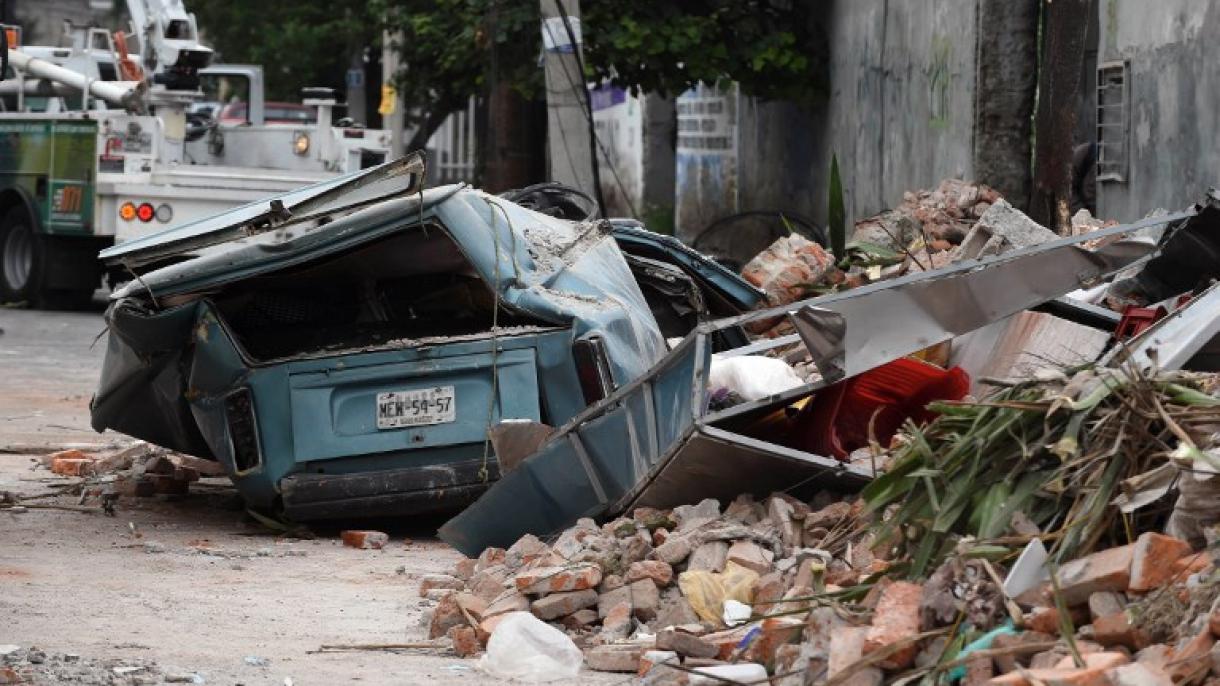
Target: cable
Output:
[
  {"x": 580, "y": 65},
  {"x": 587, "y": 107}
]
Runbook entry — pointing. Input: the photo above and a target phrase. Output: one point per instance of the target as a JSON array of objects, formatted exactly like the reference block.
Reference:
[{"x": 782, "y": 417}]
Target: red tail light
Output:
[
  {"x": 145, "y": 212},
  {"x": 592, "y": 368}
]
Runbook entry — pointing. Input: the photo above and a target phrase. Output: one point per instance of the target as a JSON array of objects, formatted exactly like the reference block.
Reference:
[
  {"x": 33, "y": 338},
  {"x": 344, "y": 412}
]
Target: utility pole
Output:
[
  {"x": 569, "y": 140},
  {"x": 391, "y": 101}
]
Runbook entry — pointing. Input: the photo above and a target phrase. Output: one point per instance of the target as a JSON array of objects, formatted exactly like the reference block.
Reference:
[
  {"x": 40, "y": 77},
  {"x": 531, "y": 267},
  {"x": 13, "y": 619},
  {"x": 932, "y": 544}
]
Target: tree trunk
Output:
[{"x": 1064, "y": 33}]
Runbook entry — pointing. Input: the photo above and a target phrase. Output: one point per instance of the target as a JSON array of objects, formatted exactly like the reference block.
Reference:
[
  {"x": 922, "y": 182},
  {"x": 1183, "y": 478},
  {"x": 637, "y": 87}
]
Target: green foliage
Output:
[
  {"x": 837, "y": 213},
  {"x": 772, "y": 48},
  {"x": 300, "y": 43},
  {"x": 453, "y": 49}
]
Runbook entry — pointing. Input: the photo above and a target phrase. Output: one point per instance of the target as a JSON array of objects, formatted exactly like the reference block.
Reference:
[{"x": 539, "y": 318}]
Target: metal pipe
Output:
[{"x": 122, "y": 93}]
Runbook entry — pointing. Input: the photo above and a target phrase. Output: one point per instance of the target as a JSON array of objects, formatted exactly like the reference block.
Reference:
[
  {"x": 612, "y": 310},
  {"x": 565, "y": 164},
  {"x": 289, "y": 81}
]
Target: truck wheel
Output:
[{"x": 21, "y": 257}]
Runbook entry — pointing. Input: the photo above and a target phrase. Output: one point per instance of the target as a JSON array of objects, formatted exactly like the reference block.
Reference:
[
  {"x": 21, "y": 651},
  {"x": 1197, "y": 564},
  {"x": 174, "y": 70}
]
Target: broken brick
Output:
[
  {"x": 72, "y": 466},
  {"x": 1116, "y": 629},
  {"x": 431, "y": 581},
  {"x": 558, "y": 579},
  {"x": 768, "y": 590},
  {"x": 750, "y": 555},
  {"x": 556, "y": 605},
  {"x": 644, "y": 599},
  {"x": 489, "y": 558},
  {"x": 773, "y": 633},
  {"x": 1138, "y": 674},
  {"x": 709, "y": 557},
  {"x": 1152, "y": 560},
  {"x": 452, "y": 611},
  {"x": 1106, "y": 603},
  {"x": 614, "y": 658},
  {"x": 1066, "y": 673},
  {"x": 1191, "y": 658},
  {"x": 464, "y": 569},
  {"x": 465, "y": 640},
  {"x": 1108, "y": 570},
  {"x": 364, "y": 539},
  {"x": 846, "y": 649},
  {"x": 673, "y": 550},
  {"x": 652, "y": 658},
  {"x": 616, "y": 621},
  {"x": 686, "y": 644},
  {"x": 507, "y": 602},
  {"x": 1191, "y": 564},
  {"x": 896, "y": 620},
  {"x": 659, "y": 572},
  {"x": 581, "y": 619},
  {"x": 978, "y": 671}
]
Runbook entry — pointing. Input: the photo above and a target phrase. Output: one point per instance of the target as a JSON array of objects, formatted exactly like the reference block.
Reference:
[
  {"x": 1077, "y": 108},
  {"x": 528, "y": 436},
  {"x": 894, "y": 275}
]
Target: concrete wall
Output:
[
  {"x": 1173, "y": 102},
  {"x": 900, "y": 115}
]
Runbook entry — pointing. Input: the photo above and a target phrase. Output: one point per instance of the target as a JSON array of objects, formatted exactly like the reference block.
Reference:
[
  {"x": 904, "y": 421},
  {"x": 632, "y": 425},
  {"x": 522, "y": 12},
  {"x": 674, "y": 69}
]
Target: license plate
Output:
[{"x": 421, "y": 407}]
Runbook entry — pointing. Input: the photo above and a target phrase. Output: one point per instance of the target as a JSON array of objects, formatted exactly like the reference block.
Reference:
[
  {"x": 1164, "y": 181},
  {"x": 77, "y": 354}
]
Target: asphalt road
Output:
[{"x": 189, "y": 585}]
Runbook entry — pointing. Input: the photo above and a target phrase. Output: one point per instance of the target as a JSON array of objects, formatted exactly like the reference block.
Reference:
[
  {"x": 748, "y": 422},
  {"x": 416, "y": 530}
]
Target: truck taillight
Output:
[
  {"x": 127, "y": 211},
  {"x": 145, "y": 212},
  {"x": 592, "y": 368}
]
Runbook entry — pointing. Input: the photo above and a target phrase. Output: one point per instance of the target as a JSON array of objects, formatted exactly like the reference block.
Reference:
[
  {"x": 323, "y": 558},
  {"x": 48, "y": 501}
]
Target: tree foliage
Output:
[
  {"x": 453, "y": 49},
  {"x": 299, "y": 43}
]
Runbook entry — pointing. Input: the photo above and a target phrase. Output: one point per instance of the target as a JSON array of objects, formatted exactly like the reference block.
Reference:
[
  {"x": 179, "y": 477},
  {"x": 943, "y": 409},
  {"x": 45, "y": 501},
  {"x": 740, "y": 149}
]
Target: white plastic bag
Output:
[
  {"x": 526, "y": 648},
  {"x": 752, "y": 376}
]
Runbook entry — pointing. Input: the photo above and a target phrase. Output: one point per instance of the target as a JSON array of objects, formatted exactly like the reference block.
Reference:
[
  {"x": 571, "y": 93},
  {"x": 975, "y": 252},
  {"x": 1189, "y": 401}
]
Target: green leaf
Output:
[{"x": 836, "y": 224}]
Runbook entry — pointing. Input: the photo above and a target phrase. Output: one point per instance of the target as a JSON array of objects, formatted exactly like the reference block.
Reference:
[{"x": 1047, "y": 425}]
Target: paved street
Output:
[{"x": 190, "y": 585}]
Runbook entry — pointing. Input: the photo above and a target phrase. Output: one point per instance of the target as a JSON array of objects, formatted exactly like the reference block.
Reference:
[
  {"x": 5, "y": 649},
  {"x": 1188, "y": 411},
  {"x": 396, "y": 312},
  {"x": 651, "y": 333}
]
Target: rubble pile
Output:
[
  {"x": 657, "y": 578},
  {"x": 939, "y": 569},
  {"x": 104, "y": 476}
]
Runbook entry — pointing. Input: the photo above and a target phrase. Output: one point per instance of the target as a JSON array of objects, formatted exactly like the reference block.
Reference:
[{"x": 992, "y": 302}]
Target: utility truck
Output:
[{"x": 113, "y": 136}]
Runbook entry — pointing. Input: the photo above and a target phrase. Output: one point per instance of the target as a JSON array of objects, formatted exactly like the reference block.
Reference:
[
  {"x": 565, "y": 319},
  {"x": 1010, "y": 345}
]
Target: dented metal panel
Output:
[{"x": 607, "y": 460}]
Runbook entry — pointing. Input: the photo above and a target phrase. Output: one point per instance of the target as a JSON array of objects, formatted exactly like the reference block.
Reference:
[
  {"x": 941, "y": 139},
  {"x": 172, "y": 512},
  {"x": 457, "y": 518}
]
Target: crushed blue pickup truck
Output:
[
  {"x": 343, "y": 350},
  {"x": 368, "y": 347}
]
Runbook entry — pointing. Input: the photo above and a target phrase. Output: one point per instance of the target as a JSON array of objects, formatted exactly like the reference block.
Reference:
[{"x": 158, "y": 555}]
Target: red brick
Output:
[
  {"x": 465, "y": 640},
  {"x": 581, "y": 619},
  {"x": 774, "y": 632},
  {"x": 487, "y": 626},
  {"x": 1137, "y": 674},
  {"x": 1108, "y": 570},
  {"x": 750, "y": 555},
  {"x": 1116, "y": 629},
  {"x": 768, "y": 589},
  {"x": 1152, "y": 560},
  {"x": 507, "y": 602},
  {"x": 72, "y": 466},
  {"x": 617, "y": 621},
  {"x": 489, "y": 558},
  {"x": 1046, "y": 619},
  {"x": 1191, "y": 564},
  {"x": 558, "y": 579},
  {"x": 652, "y": 658},
  {"x": 464, "y": 569},
  {"x": 556, "y": 605},
  {"x": 1191, "y": 659},
  {"x": 1066, "y": 673},
  {"x": 896, "y": 619},
  {"x": 374, "y": 540},
  {"x": 614, "y": 658},
  {"x": 659, "y": 572},
  {"x": 431, "y": 581},
  {"x": 846, "y": 649},
  {"x": 452, "y": 611},
  {"x": 686, "y": 644}
]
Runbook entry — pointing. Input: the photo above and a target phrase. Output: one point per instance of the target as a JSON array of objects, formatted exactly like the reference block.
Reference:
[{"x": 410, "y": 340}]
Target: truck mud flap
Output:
[{"x": 656, "y": 442}]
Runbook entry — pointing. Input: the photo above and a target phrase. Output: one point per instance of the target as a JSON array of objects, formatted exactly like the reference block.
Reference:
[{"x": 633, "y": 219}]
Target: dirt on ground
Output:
[{"x": 184, "y": 589}]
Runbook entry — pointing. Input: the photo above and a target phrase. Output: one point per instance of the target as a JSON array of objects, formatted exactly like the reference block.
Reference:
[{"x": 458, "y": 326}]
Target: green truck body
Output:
[{"x": 52, "y": 165}]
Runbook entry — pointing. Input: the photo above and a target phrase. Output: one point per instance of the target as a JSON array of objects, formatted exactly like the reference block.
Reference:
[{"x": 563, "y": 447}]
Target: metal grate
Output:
[{"x": 1112, "y": 122}]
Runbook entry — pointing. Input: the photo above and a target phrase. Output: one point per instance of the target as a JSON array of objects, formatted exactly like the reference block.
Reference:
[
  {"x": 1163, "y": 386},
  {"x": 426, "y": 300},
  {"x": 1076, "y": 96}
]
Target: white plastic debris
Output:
[
  {"x": 526, "y": 648},
  {"x": 742, "y": 673},
  {"x": 1028, "y": 571},
  {"x": 736, "y": 612},
  {"x": 752, "y": 376}
]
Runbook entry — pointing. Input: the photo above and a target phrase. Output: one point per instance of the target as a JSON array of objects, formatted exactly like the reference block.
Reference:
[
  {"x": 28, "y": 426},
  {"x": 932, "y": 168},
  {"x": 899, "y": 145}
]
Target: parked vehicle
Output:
[{"x": 346, "y": 348}]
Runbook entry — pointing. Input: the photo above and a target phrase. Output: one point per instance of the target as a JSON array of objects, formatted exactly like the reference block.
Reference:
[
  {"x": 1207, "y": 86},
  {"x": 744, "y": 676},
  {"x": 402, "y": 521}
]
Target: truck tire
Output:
[
  {"x": 22, "y": 258},
  {"x": 51, "y": 272}
]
